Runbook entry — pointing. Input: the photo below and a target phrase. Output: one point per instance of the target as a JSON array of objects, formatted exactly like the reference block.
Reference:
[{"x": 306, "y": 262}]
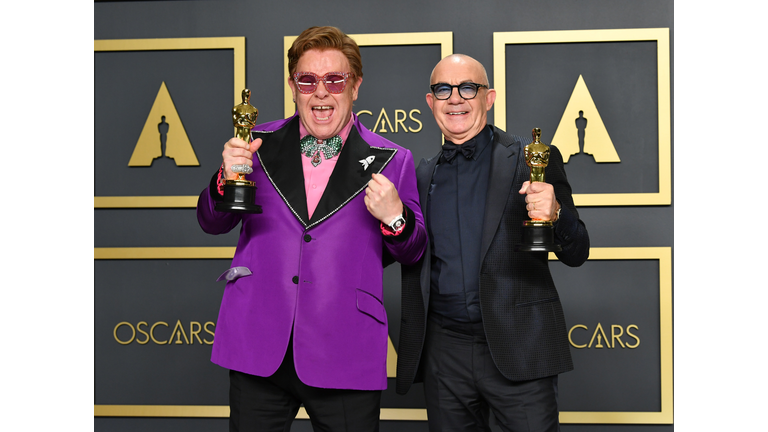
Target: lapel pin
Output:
[{"x": 367, "y": 162}]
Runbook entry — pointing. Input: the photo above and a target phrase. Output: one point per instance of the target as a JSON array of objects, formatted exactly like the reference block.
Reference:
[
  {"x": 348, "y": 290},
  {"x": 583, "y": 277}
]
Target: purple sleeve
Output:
[
  {"x": 410, "y": 250},
  {"x": 210, "y": 220}
]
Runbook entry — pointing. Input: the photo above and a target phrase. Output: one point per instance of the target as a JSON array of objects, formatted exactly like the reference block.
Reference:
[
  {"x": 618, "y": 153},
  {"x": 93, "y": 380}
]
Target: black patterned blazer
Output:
[{"x": 521, "y": 310}]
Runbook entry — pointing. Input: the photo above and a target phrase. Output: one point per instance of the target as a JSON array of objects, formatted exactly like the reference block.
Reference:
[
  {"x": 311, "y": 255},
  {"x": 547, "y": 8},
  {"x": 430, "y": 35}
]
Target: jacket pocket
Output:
[
  {"x": 371, "y": 306},
  {"x": 540, "y": 301},
  {"x": 234, "y": 273}
]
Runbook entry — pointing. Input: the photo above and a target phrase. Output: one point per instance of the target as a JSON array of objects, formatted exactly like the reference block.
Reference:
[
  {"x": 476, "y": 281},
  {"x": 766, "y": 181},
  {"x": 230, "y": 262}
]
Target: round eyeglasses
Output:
[
  {"x": 467, "y": 90},
  {"x": 306, "y": 82}
]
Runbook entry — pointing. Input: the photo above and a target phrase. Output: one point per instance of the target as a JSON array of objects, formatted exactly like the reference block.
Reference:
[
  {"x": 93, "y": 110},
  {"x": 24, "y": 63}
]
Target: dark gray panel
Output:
[
  {"x": 622, "y": 80},
  {"x": 154, "y": 291},
  {"x": 615, "y": 377},
  {"x": 201, "y": 84},
  {"x": 628, "y": 226}
]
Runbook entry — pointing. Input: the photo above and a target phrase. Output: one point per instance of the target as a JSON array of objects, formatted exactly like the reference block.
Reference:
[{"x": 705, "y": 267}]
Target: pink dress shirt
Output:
[{"x": 316, "y": 177}]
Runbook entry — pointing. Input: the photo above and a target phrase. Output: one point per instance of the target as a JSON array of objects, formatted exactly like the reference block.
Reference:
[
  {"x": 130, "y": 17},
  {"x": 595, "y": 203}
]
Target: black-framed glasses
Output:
[
  {"x": 467, "y": 90},
  {"x": 306, "y": 82}
]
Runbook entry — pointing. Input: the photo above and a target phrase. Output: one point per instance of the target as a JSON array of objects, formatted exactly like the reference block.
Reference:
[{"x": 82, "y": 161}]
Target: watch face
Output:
[{"x": 397, "y": 223}]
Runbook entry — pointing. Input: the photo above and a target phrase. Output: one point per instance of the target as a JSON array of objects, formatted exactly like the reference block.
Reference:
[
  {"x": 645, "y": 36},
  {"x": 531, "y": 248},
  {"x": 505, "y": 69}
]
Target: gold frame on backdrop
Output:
[
  {"x": 444, "y": 39},
  {"x": 661, "y": 37},
  {"x": 665, "y": 416},
  {"x": 237, "y": 44}
]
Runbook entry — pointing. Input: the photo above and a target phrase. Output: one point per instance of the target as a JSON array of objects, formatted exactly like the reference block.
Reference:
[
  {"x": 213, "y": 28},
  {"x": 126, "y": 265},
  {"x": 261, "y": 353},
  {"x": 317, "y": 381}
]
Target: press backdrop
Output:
[{"x": 593, "y": 75}]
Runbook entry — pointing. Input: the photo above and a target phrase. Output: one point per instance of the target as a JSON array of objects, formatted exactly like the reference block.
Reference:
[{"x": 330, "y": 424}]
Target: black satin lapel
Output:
[
  {"x": 351, "y": 175},
  {"x": 280, "y": 157},
  {"x": 503, "y": 167}
]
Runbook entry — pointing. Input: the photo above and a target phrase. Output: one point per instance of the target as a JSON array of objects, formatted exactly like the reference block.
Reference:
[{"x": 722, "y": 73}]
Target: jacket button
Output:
[
  {"x": 296, "y": 280},
  {"x": 307, "y": 238}
]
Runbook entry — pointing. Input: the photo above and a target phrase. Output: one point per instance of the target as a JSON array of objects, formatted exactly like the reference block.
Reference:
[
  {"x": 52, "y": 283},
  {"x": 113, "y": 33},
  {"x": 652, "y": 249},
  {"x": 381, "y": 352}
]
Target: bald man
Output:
[{"x": 483, "y": 327}]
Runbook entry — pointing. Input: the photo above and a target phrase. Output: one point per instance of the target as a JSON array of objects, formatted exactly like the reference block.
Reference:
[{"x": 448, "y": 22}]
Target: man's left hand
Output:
[
  {"x": 540, "y": 200},
  {"x": 382, "y": 200}
]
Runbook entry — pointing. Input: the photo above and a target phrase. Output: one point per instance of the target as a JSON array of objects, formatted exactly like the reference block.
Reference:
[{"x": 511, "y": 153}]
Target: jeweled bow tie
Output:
[
  {"x": 450, "y": 150},
  {"x": 311, "y": 147}
]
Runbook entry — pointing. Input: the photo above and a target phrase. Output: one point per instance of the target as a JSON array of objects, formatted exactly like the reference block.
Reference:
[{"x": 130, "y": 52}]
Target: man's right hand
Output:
[{"x": 238, "y": 152}]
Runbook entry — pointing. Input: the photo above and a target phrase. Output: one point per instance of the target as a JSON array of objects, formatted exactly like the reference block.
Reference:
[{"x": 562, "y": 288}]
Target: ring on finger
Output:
[{"x": 241, "y": 169}]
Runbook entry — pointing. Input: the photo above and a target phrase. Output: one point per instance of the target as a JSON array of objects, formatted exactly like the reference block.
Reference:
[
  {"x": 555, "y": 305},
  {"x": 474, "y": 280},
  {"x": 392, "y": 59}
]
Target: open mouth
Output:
[
  {"x": 322, "y": 113},
  {"x": 457, "y": 113}
]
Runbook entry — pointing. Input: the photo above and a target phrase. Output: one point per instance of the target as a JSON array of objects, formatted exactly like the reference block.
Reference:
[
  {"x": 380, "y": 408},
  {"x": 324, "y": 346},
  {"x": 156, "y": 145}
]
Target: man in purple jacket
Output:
[{"x": 302, "y": 319}]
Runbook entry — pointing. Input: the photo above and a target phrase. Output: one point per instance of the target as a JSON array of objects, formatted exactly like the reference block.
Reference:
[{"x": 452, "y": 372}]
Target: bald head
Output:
[{"x": 460, "y": 60}]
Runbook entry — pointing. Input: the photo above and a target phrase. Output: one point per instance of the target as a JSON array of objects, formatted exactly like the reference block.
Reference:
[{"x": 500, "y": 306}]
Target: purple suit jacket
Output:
[{"x": 318, "y": 279}]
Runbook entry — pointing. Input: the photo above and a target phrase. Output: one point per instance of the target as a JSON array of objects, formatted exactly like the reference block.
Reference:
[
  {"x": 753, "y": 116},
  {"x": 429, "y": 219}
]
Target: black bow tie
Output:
[{"x": 450, "y": 150}]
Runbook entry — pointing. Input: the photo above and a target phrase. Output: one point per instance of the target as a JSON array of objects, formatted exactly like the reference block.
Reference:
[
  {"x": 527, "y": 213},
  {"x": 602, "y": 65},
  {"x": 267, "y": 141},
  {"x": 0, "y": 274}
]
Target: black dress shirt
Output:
[{"x": 455, "y": 213}]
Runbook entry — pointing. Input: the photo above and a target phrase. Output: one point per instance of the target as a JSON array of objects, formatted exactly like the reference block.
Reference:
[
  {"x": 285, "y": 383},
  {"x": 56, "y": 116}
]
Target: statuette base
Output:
[
  {"x": 239, "y": 197},
  {"x": 538, "y": 236}
]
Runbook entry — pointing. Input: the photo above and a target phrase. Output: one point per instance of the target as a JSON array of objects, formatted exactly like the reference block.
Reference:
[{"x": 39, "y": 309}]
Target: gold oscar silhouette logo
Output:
[
  {"x": 582, "y": 129},
  {"x": 163, "y": 135}
]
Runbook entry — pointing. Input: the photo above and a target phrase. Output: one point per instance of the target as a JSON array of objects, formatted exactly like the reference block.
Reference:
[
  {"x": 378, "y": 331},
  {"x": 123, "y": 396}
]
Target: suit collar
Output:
[{"x": 504, "y": 162}]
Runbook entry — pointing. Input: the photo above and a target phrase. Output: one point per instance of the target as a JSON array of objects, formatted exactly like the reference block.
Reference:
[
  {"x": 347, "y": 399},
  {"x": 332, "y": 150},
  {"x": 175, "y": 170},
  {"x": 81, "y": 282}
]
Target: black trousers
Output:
[
  {"x": 269, "y": 404},
  {"x": 462, "y": 385}
]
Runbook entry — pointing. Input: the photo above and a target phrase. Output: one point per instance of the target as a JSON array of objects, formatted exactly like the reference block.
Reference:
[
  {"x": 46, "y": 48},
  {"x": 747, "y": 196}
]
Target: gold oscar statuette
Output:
[
  {"x": 240, "y": 194},
  {"x": 538, "y": 235}
]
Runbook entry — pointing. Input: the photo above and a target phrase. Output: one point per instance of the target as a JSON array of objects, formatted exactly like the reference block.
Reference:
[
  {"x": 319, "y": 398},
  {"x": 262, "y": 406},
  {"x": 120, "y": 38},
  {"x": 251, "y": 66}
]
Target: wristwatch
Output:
[{"x": 396, "y": 225}]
